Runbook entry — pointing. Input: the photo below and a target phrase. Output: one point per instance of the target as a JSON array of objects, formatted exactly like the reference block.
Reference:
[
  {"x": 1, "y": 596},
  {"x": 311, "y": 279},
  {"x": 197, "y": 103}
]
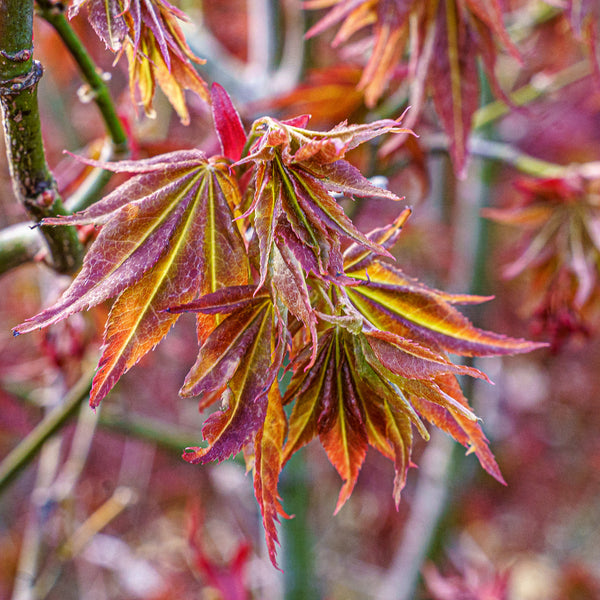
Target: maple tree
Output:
[{"x": 250, "y": 232}]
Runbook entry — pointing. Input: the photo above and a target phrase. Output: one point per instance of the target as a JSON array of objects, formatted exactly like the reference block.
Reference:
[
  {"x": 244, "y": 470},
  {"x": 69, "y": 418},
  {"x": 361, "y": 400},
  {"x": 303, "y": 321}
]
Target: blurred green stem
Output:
[
  {"x": 503, "y": 152},
  {"x": 540, "y": 85},
  {"x": 28, "y": 449},
  {"x": 167, "y": 436},
  {"x": 298, "y": 556},
  {"x": 521, "y": 161}
]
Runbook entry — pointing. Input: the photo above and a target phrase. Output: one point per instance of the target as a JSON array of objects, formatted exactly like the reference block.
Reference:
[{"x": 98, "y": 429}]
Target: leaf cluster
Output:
[
  {"x": 255, "y": 243},
  {"x": 438, "y": 41}
]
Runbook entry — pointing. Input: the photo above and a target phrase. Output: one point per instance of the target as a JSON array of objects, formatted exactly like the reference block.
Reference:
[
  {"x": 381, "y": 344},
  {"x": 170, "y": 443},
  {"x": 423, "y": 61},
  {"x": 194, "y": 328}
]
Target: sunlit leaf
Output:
[
  {"x": 148, "y": 32},
  {"x": 168, "y": 236},
  {"x": 296, "y": 170},
  {"x": 394, "y": 303},
  {"x": 227, "y": 123},
  {"x": 381, "y": 367},
  {"x": 325, "y": 405},
  {"x": 268, "y": 446},
  {"x": 362, "y": 390},
  {"x": 237, "y": 364}
]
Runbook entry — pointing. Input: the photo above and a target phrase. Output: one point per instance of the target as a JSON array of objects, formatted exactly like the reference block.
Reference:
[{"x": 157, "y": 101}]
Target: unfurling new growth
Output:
[{"x": 254, "y": 242}]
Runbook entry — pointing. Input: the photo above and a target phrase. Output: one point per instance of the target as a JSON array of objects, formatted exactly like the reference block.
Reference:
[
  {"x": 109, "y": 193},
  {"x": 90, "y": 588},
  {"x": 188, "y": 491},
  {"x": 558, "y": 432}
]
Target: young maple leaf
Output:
[
  {"x": 584, "y": 17},
  {"x": 237, "y": 364},
  {"x": 560, "y": 250},
  {"x": 395, "y": 302},
  {"x": 268, "y": 462},
  {"x": 296, "y": 170},
  {"x": 444, "y": 38},
  {"x": 168, "y": 235},
  {"x": 329, "y": 95},
  {"x": 381, "y": 366},
  {"x": 228, "y": 580},
  {"x": 147, "y": 31},
  {"x": 359, "y": 392}
]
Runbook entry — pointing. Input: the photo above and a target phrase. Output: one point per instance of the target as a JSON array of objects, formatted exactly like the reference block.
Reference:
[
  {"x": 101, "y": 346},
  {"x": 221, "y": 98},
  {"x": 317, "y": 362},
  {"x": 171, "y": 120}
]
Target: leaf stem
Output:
[
  {"x": 33, "y": 183},
  {"x": 540, "y": 85},
  {"x": 522, "y": 162},
  {"x": 167, "y": 436}
]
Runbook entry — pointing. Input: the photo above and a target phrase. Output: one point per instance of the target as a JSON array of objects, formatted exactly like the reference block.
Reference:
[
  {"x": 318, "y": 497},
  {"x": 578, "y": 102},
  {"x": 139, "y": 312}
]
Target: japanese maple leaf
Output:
[
  {"x": 392, "y": 301},
  {"x": 444, "y": 38},
  {"x": 292, "y": 208},
  {"x": 236, "y": 364},
  {"x": 381, "y": 367},
  {"x": 168, "y": 235},
  {"x": 228, "y": 579},
  {"x": 559, "y": 250},
  {"x": 148, "y": 32},
  {"x": 360, "y": 392},
  {"x": 268, "y": 462},
  {"x": 329, "y": 95}
]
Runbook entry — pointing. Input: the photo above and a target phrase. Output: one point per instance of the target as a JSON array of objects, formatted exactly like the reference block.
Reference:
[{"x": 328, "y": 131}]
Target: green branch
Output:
[
  {"x": 32, "y": 180},
  {"x": 54, "y": 15},
  {"x": 540, "y": 85},
  {"x": 169, "y": 437},
  {"x": 18, "y": 244},
  {"x": 28, "y": 449},
  {"x": 298, "y": 548},
  {"x": 519, "y": 160},
  {"x": 508, "y": 154}
]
